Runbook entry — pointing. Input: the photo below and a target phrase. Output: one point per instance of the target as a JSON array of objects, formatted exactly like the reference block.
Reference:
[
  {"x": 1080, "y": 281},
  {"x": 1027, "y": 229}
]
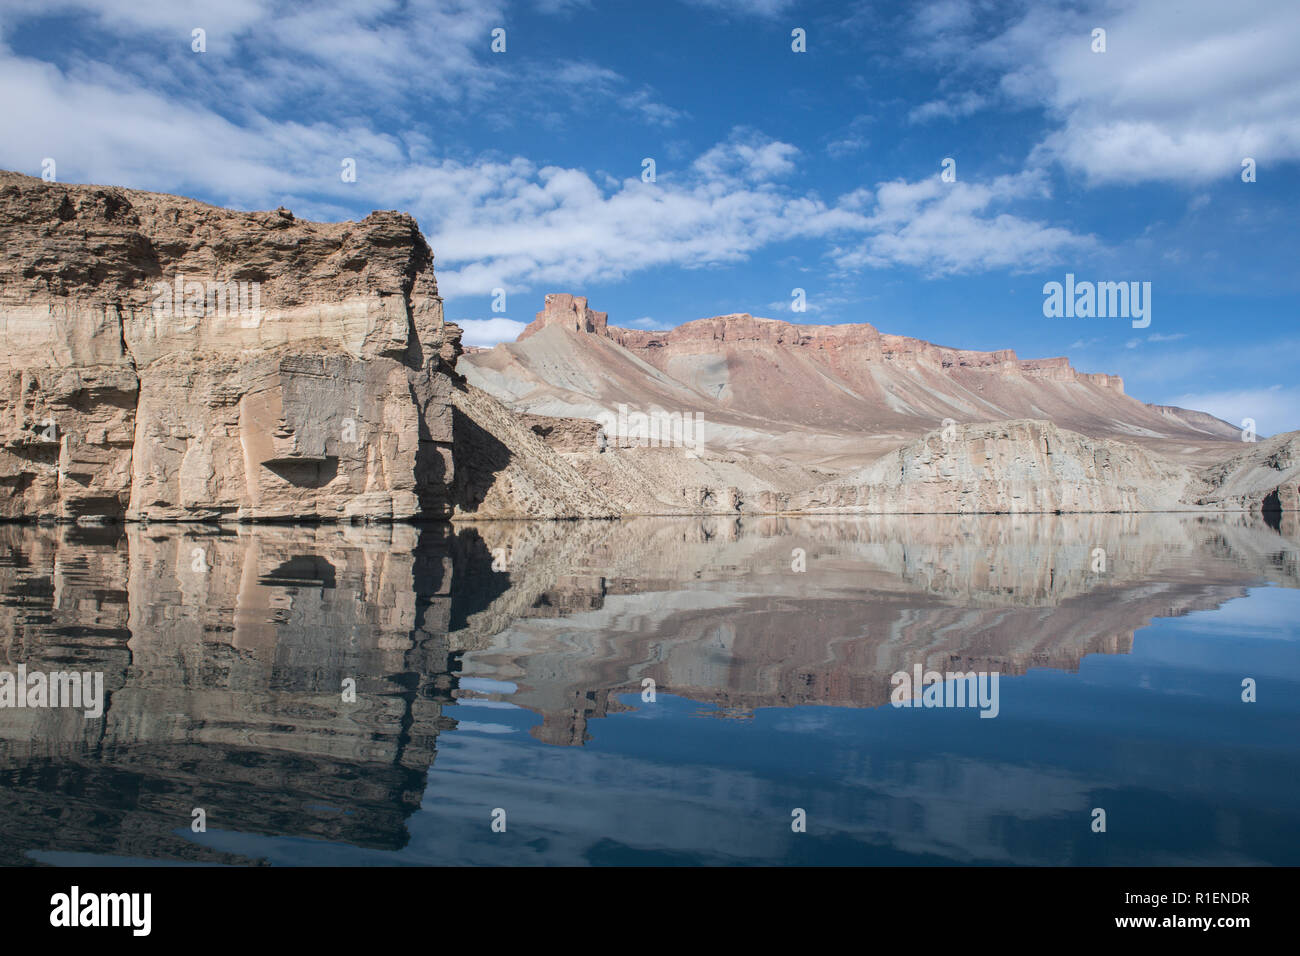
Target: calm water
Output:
[{"x": 519, "y": 687}]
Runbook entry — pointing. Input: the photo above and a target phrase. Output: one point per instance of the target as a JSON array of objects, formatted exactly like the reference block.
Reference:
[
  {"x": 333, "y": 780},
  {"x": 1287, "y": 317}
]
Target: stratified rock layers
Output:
[
  {"x": 1009, "y": 467},
  {"x": 166, "y": 359}
]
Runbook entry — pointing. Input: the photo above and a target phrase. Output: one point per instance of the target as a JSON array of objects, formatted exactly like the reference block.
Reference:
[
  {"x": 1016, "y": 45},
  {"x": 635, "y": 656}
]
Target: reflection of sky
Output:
[
  {"x": 1268, "y": 612},
  {"x": 1187, "y": 772}
]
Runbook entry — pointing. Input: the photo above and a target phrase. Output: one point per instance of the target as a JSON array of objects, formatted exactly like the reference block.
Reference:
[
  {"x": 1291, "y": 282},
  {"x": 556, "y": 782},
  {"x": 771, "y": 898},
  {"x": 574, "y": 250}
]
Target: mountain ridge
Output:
[{"x": 846, "y": 383}]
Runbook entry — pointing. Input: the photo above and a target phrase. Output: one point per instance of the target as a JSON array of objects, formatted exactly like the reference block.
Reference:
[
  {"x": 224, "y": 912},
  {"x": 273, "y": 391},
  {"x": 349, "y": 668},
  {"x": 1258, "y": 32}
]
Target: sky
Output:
[{"x": 927, "y": 167}]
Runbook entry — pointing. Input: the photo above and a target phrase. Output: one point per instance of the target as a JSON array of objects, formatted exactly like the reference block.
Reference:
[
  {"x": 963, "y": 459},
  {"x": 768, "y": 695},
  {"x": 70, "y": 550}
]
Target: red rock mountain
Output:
[{"x": 833, "y": 395}]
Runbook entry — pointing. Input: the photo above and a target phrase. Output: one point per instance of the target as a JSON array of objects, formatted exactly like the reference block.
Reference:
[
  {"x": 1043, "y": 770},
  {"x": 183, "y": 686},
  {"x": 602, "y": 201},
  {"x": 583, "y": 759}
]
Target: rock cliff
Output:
[
  {"x": 1264, "y": 478},
  {"x": 1005, "y": 467},
  {"x": 169, "y": 360}
]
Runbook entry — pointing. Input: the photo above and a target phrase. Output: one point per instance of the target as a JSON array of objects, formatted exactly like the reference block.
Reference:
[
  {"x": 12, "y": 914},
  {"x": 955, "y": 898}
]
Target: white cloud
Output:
[
  {"x": 341, "y": 63},
  {"x": 943, "y": 228},
  {"x": 853, "y": 139},
  {"x": 943, "y": 16},
  {"x": 1154, "y": 337},
  {"x": 748, "y": 155},
  {"x": 962, "y": 104},
  {"x": 644, "y": 103},
  {"x": 489, "y": 332},
  {"x": 497, "y": 224},
  {"x": 1274, "y": 409},
  {"x": 763, "y": 9},
  {"x": 1182, "y": 93},
  {"x": 561, "y": 7},
  {"x": 493, "y": 222}
]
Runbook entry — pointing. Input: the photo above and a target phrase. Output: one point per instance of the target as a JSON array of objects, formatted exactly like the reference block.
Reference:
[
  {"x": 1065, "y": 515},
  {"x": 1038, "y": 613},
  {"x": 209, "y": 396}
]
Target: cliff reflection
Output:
[{"x": 225, "y": 652}]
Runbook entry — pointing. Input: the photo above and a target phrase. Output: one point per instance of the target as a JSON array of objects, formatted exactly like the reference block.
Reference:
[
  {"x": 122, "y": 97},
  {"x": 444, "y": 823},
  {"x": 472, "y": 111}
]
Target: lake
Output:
[{"x": 657, "y": 691}]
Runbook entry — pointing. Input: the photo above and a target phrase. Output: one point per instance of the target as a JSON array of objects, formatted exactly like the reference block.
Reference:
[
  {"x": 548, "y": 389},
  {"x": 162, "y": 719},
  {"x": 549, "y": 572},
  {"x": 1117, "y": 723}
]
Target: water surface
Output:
[{"x": 503, "y": 666}]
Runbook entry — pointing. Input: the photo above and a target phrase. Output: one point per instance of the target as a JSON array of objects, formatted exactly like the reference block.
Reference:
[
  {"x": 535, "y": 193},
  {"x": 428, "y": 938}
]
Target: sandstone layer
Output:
[
  {"x": 833, "y": 397},
  {"x": 1011, "y": 467},
  {"x": 1265, "y": 477},
  {"x": 164, "y": 359}
]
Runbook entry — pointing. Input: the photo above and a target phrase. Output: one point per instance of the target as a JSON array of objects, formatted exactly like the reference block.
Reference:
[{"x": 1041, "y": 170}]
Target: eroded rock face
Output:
[
  {"x": 166, "y": 359},
  {"x": 1008, "y": 467},
  {"x": 1264, "y": 478},
  {"x": 569, "y": 312}
]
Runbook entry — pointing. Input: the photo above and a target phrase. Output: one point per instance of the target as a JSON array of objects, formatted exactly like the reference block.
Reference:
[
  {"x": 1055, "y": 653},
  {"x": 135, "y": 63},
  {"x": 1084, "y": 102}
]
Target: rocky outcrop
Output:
[
  {"x": 1265, "y": 478},
  {"x": 163, "y": 359},
  {"x": 168, "y": 360},
  {"x": 1007, "y": 467},
  {"x": 505, "y": 470},
  {"x": 565, "y": 434},
  {"x": 825, "y": 418},
  {"x": 569, "y": 312},
  {"x": 171, "y": 360}
]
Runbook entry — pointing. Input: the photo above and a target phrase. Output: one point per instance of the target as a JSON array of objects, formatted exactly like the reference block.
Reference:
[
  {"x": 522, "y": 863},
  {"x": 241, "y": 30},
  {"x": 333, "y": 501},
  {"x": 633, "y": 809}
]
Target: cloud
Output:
[
  {"x": 177, "y": 123},
  {"x": 561, "y": 7},
  {"x": 813, "y": 304},
  {"x": 489, "y": 332},
  {"x": 1154, "y": 337},
  {"x": 943, "y": 16},
  {"x": 963, "y": 104},
  {"x": 762, "y": 9},
  {"x": 376, "y": 64},
  {"x": 512, "y": 224},
  {"x": 852, "y": 140},
  {"x": 747, "y": 155},
  {"x": 1274, "y": 409},
  {"x": 267, "y": 115},
  {"x": 264, "y": 53},
  {"x": 1182, "y": 93},
  {"x": 946, "y": 228},
  {"x": 644, "y": 103}
]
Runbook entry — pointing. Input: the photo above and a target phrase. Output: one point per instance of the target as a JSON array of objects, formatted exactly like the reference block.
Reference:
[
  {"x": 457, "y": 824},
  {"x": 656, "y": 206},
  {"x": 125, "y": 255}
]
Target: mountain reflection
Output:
[{"x": 225, "y": 651}]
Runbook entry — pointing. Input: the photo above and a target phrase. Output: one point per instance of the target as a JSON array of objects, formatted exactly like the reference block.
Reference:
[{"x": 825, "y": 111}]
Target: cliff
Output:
[
  {"x": 1265, "y": 477},
  {"x": 165, "y": 359},
  {"x": 1012, "y": 467}
]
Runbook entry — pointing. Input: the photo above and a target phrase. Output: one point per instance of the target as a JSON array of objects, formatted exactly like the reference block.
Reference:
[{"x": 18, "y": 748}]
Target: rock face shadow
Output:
[
  {"x": 1271, "y": 508},
  {"x": 306, "y": 474},
  {"x": 304, "y": 570},
  {"x": 479, "y": 456}
]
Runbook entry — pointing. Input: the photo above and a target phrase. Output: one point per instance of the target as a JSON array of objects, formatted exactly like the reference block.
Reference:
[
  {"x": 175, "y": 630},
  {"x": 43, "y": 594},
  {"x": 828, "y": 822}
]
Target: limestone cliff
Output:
[
  {"x": 1011, "y": 467},
  {"x": 166, "y": 359}
]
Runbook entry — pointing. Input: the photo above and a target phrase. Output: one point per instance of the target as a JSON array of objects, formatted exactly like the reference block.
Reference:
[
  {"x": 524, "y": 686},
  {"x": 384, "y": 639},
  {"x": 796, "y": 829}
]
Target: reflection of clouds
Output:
[
  {"x": 873, "y": 801},
  {"x": 1268, "y": 614},
  {"x": 476, "y": 727},
  {"x": 225, "y": 687}
]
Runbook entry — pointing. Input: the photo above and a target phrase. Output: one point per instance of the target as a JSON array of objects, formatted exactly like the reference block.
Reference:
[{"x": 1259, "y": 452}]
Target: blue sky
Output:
[{"x": 775, "y": 170}]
